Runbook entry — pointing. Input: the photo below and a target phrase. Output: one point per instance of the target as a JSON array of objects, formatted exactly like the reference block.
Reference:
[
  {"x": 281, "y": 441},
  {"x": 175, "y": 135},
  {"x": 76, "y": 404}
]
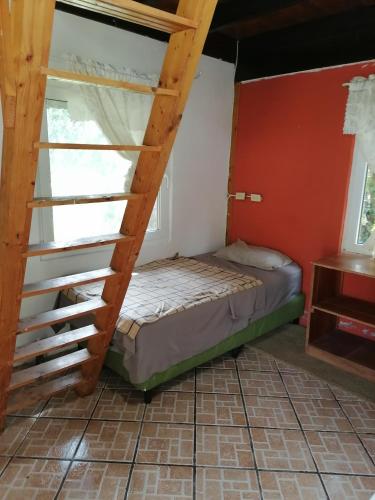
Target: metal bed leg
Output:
[
  {"x": 236, "y": 352},
  {"x": 147, "y": 397}
]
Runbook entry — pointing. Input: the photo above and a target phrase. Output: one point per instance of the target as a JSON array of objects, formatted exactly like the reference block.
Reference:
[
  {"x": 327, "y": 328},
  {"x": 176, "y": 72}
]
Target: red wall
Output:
[{"x": 291, "y": 149}]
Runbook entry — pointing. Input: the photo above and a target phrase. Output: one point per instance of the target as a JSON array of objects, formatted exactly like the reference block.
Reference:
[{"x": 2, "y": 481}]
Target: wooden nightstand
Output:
[{"x": 324, "y": 340}]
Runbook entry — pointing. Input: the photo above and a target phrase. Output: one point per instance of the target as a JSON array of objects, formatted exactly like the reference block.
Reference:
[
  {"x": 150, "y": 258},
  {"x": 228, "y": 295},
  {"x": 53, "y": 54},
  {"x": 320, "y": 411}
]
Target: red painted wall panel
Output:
[{"x": 290, "y": 148}]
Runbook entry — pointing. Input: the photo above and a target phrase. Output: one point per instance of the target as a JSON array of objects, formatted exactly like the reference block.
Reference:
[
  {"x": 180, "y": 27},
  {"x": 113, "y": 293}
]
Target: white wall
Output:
[{"x": 200, "y": 157}]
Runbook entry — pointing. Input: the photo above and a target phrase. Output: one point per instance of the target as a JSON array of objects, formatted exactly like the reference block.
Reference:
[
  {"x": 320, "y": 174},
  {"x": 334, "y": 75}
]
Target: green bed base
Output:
[{"x": 291, "y": 311}]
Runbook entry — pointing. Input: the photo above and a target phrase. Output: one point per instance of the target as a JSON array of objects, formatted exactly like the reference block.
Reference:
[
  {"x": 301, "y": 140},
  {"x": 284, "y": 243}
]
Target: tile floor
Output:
[{"x": 251, "y": 428}]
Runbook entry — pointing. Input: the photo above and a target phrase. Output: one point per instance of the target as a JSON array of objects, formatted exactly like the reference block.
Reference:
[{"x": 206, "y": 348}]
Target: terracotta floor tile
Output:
[
  {"x": 182, "y": 383},
  {"x": 176, "y": 407},
  {"x": 218, "y": 381},
  {"x": 223, "y": 362},
  {"x": 321, "y": 415},
  {"x": 262, "y": 384},
  {"x": 95, "y": 481},
  {"x": 224, "y": 447},
  {"x": 303, "y": 385},
  {"x": 30, "y": 411},
  {"x": 220, "y": 409},
  {"x": 3, "y": 463},
  {"x": 254, "y": 359},
  {"x": 170, "y": 444},
  {"x": 120, "y": 404},
  {"x": 339, "y": 452},
  {"x": 53, "y": 438},
  {"x": 114, "y": 381},
  {"x": 69, "y": 405},
  {"x": 14, "y": 433},
  {"x": 150, "y": 482},
  {"x": 369, "y": 443},
  {"x": 349, "y": 487},
  {"x": 281, "y": 449},
  {"x": 103, "y": 377},
  {"x": 361, "y": 414},
  {"x": 34, "y": 479},
  {"x": 288, "y": 368},
  {"x": 270, "y": 412},
  {"x": 343, "y": 395},
  {"x": 112, "y": 441},
  {"x": 226, "y": 484},
  {"x": 291, "y": 486}
]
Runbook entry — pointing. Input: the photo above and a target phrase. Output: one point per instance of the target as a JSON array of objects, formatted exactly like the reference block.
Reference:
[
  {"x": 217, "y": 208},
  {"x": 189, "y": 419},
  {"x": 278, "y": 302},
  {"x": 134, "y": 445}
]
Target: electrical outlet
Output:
[
  {"x": 256, "y": 197},
  {"x": 240, "y": 196}
]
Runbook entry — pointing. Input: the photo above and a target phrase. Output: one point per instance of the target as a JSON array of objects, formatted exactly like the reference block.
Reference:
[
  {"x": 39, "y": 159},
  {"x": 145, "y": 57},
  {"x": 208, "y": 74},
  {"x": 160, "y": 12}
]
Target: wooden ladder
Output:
[{"x": 25, "y": 35}]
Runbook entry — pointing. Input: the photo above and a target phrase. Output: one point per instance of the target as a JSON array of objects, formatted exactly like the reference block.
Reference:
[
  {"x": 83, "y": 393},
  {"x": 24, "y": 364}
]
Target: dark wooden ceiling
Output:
[{"x": 274, "y": 36}]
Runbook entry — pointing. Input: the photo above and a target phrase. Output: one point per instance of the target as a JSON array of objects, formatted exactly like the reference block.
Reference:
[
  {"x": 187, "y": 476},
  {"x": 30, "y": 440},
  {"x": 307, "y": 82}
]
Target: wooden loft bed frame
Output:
[{"x": 25, "y": 36}]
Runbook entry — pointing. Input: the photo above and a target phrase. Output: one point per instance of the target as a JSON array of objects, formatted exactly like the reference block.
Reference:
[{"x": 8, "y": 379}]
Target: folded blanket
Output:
[{"x": 165, "y": 287}]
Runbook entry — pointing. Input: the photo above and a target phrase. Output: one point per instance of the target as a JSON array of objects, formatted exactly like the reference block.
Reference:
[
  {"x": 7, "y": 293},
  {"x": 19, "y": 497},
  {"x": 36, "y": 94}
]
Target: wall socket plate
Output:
[{"x": 240, "y": 196}]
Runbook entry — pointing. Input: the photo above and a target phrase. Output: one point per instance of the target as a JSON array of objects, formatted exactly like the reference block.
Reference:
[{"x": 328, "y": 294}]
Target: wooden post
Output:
[
  {"x": 25, "y": 44},
  {"x": 178, "y": 72},
  {"x": 232, "y": 157}
]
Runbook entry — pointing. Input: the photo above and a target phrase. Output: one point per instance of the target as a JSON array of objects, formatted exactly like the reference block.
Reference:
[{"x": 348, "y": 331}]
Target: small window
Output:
[
  {"x": 360, "y": 212},
  {"x": 77, "y": 172}
]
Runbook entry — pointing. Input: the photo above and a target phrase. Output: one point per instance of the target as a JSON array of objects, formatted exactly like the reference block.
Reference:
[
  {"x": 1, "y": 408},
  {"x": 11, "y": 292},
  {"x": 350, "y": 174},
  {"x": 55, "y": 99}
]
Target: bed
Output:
[{"x": 175, "y": 343}]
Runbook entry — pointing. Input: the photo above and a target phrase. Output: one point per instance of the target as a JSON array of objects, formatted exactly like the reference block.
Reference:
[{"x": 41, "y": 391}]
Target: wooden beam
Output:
[
  {"x": 31, "y": 395},
  {"x": 67, "y": 246},
  {"x": 97, "y": 147},
  {"x": 232, "y": 163},
  {"x": 106, "y": 82},
  {"x": 7, "y": 74},
  {"x": 82, "y": 200},
  {"x": 45, "y": 346},
  {"x": 291, "y": 15},
  {"x": 56, "y": 316},
  {"x": 64, "y": 282},
  {"x": 48, "y": 369},
  {"x": 29, "y": 36},
  {"x": 138, "y": 13},
  {"x": 178, "y": 72}
]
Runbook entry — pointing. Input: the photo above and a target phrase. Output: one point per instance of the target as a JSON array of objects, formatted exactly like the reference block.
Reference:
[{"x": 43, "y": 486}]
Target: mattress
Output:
[
  {"x": 175, "y": 338},
  {"x": 167, "y": 287}
]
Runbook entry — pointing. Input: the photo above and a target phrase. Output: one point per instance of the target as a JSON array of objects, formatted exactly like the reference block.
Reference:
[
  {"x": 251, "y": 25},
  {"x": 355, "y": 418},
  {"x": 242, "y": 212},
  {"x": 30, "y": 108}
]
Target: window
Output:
[
  {"x": 76, "y": 172},
  {"x": 360, "y": 212}
]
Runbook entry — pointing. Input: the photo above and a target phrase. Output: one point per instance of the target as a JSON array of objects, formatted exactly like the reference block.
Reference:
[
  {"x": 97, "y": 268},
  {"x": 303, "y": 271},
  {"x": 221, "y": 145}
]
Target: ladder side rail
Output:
[
  {"x": 7, "y": 81},
  {"x": 178, "y": 71},
  {"x": 30, "y": 41}
]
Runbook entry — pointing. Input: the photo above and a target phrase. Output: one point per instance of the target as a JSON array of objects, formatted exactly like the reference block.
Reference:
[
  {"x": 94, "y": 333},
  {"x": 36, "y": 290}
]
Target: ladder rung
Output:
[
  {"x": 58, "y": 315},
  {"x": 79, "y": 200},
  {"x": 66, "y": 246},
  {"x": 45, "y": 370},
  {"x": 97, "y": 147},
  {"x": 32, "y": 395},
  {"x": 138, "y": 13},
  {"x": 49, "y": 344},
  {"x": 107, "y": 82},
  {"x": 55, "y": 284}
]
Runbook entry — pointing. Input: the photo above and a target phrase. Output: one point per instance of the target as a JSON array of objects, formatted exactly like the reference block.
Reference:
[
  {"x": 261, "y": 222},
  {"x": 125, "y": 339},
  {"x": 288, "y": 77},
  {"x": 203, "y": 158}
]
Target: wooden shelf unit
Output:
[{"x": 325, "y": 340}]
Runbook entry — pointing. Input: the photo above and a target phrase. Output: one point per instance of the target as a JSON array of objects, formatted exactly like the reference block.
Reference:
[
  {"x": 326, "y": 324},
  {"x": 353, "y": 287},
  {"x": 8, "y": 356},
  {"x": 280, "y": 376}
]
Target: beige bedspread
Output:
[{"x": 168, "y": 286}]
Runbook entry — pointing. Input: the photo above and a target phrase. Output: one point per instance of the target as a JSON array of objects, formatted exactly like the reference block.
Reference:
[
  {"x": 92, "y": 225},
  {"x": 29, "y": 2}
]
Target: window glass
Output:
[
  {"x": 360, "y": 211},
  {"x": 78, "y": 172},
  {"x": 367, "y": 216}
]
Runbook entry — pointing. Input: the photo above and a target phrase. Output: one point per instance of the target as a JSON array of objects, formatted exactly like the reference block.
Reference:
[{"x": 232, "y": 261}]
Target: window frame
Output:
[
  {"x": 354, "y": 205},
  {"x": 43, "y": 188}
]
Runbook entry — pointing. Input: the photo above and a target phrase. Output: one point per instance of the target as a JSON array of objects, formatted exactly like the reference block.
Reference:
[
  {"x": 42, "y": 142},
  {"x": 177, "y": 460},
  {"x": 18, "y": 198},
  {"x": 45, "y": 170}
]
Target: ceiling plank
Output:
[
  {"x": 291, "y": 15},
  {"x": 342, "y": 39}
]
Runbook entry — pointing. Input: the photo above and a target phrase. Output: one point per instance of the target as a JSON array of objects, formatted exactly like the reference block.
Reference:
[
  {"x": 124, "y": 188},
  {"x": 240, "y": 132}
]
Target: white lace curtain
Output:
[
  {"x": 121, "y": 115},
  {"x": 360, "y": 115}
]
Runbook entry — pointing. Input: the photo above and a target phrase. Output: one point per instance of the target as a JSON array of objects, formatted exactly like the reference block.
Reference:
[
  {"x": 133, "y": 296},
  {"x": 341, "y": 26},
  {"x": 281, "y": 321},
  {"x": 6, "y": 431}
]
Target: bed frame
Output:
[{"x": 288, "y": 313}]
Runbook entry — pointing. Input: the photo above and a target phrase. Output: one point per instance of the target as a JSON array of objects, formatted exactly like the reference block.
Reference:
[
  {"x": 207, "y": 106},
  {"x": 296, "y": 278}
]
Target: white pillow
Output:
[{"x": 251, "y": 255}]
